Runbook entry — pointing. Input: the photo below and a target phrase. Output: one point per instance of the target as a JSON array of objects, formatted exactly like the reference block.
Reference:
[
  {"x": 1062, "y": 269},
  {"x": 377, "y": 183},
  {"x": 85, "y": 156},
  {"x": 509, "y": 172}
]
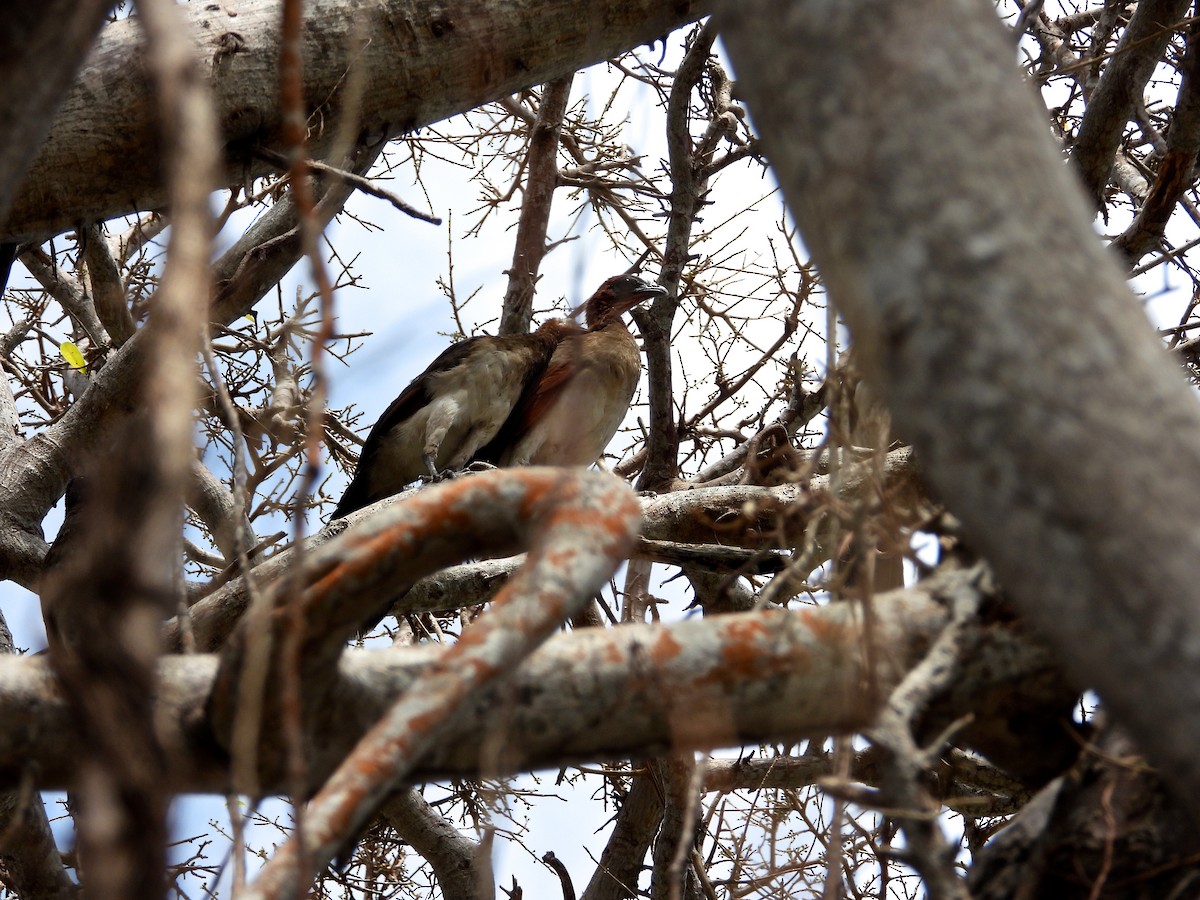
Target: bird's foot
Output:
[
  {"x": 431, "y": 467},
  {"x": 648, "y": 495},
  {"x": 451, "y": 474}
]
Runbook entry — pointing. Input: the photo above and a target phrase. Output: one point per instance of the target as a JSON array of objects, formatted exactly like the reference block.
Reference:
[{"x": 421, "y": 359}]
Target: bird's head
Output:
[{"x": 617, "y": 296}]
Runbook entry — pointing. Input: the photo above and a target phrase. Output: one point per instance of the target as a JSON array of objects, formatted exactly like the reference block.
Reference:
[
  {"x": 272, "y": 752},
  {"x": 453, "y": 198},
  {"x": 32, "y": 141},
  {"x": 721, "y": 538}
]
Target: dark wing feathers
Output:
[
  {"x": 417, "y": 395},
  {"x": 541, "y": 388},
  {"x": 538, "y": 401},
  {"x": 411, "y": 399},
  {"x": 537, "y": 348}
]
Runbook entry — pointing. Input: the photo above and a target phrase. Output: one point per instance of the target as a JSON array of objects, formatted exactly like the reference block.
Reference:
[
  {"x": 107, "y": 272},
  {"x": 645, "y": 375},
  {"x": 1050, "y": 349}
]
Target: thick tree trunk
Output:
[
  {"x": 41, "y": 45},
  {"x": 959, "y": 248},
  {"x": 1108, "y": 828}
]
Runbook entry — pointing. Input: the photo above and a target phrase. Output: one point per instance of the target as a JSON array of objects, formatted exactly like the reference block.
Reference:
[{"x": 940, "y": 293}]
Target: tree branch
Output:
[
  {"x": 417, "y": 70},
  {"x": 1176, "y": 169},
  {"x": 688, "y": 184},
  {"x": 41, "y": 46},
  {"x": 541, "y": 177},
  {"x": 739, "y": 516},
  {"x": 33, "y": 867},
  {"x": 453, "y": 857},
  {"x": 1114, "y": 101},
  {"x": 699, "y": 684},
  {"x": 579, "y": 526},
  {"x": 121, "y": 538},
  {"x": 620, "y": 865}
]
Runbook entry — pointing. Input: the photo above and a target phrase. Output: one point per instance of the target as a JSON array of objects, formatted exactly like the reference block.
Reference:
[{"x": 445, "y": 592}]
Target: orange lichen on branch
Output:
[
  {"x": 577, "y": 526},
  {"x": 664, "y": 648},
  {"x": 741, "y": 651},
  {"x": 829, "y": 632}
]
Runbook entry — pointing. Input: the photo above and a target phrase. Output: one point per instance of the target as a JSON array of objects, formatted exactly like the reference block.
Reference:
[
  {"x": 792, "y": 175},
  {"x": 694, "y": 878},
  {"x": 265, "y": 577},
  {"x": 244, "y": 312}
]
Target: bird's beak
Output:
[{"x": 636, "y": 297}]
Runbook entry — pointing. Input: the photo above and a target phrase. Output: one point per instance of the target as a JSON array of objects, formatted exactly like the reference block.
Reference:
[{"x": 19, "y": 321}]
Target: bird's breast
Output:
[{"x": 578, "y": 424}]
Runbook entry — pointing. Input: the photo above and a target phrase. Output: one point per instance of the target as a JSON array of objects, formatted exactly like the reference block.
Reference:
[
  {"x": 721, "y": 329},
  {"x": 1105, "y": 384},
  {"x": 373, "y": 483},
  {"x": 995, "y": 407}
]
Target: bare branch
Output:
[
  {"x": 33, "y": 867},
  {"x": 541, "y": 177},
  {"x": 1176, "y": 168},
  {"x": 108, "y": 290},
  {"x": 70, "y": 296},
  {"x": 804, "y": 674},
  {"x": 419, "y": 74},
  {"x": 688, "y": 184},
  {"x": 121, "y": 535},
  {"x": 454, "y": 857},
  {"x": 579, "y": 525},
  {"x": 620, "y": 864},
  {"x": 747, "y": 516},
  {"x": 365, "y": 185},
  {"x": 1119, "y": 90}
]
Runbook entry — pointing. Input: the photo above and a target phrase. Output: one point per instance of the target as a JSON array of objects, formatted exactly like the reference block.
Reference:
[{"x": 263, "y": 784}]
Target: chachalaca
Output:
[
  {"x": 567, "y": 416},
  {"x": 449, "y": 411}
]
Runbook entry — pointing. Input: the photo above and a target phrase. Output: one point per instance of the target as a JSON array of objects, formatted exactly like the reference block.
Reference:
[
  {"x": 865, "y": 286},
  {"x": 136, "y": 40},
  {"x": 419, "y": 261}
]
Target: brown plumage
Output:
[
  {"x": 449, "y": 411},
  {"x": 567, "y": 416}
]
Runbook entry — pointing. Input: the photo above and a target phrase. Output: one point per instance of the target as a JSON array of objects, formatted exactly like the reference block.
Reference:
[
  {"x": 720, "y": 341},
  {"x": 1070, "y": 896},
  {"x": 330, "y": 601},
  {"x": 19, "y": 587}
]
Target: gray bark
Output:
[
  {"x": 1001, "y": 334},
  {"x": 454, "y": 858},
  {"x": 728, "y": 680},
  {"x": 42, "y": 42},
  {"x": 683, "y": 516},
  {"x": 27, "y": 853},
  {"x": 1120, "y": 89},
  {"x": 419, "y": 61}
]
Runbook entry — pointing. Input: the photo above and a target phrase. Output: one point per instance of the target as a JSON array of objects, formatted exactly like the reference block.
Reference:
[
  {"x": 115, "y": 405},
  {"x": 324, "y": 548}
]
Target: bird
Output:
[
  {"x": 449, "y": 411},
  {"x": 567, "y": 415},
  {"x": 553, "y": 397}
]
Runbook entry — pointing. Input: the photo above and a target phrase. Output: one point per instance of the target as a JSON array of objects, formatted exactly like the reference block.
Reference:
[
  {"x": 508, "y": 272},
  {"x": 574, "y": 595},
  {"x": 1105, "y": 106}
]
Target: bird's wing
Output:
[
  {"x": 547, "y": 389},
  {"x": 411, "y": 399},
  {"x": 538, "y": 397},
  {"x": 417, "y": 394}
]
